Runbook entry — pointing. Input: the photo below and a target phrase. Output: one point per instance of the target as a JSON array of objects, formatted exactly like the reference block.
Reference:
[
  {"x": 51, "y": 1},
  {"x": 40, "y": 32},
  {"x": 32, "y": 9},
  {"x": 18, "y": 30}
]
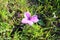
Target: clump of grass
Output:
[{"x": 47, "y": 28}]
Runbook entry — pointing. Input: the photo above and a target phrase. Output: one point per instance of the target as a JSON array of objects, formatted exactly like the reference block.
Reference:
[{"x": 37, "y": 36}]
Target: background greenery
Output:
[{"x": 11, "y": 14}]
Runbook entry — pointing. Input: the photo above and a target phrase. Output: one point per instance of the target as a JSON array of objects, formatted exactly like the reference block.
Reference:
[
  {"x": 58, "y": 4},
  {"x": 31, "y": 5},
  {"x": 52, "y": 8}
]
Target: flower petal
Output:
[
  {"x": 30, "y": 22},
  {"x": 24, "y": 20},
  {"x": 34, "y": 18},
  {"x": 27, "y": 15}
]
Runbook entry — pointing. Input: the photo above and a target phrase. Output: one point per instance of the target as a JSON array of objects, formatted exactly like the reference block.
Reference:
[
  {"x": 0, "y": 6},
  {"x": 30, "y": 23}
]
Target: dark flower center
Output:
[{"x": 29, "y": 18}]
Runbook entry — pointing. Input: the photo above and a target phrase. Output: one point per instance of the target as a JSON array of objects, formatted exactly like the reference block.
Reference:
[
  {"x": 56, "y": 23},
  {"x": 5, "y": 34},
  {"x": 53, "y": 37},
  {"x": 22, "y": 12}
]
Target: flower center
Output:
[{"x": 29, "y": 18}]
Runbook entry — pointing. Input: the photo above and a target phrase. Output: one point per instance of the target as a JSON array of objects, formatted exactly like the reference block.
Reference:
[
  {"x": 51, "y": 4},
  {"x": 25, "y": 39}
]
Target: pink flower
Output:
[{"x": 29, "y": 19}]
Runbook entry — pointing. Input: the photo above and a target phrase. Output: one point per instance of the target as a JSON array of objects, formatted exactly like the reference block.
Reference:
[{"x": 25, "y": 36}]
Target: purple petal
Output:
[
  {"x": 34, "y": 18},
  {"x": 24, "y": 20},
  {"x": 27, "y": 15},
  {"x": 30, "y": 22}
]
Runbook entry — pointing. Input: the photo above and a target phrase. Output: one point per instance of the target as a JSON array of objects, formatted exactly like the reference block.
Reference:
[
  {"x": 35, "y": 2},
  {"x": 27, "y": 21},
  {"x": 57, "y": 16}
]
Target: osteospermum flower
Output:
[{"x": 28, "y": 19}]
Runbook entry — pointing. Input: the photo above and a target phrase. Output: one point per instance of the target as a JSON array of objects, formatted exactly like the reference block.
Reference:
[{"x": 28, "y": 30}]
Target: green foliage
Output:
[
  {"x": 41, "y": 22},
  {"x": 48, "y": 28}
]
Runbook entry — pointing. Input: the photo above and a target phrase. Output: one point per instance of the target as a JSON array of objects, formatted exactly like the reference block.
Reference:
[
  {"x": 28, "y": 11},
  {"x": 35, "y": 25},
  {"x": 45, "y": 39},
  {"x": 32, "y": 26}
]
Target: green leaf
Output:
[{"x": 41, "y": 22}]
